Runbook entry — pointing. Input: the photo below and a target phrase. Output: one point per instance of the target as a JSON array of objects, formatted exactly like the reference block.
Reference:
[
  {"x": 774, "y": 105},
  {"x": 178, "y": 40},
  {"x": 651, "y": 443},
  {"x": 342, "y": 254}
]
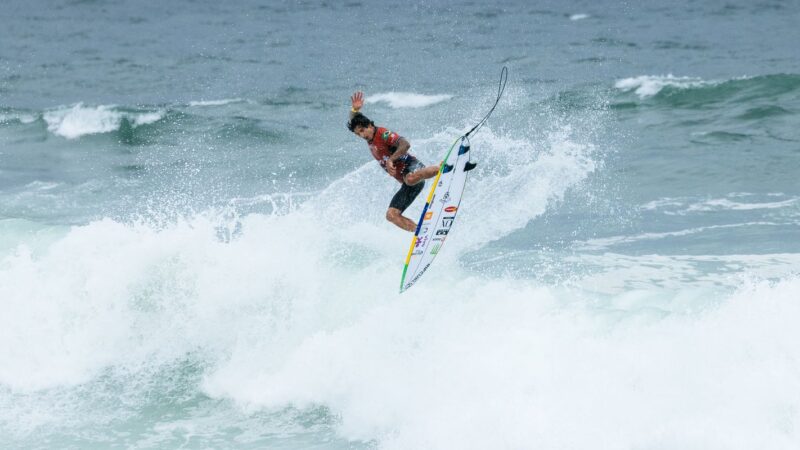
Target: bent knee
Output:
[
  {"x": 421, "y": 174},
  {"x": 392, "y": 214},
  {"x": 411, "y": 179}
]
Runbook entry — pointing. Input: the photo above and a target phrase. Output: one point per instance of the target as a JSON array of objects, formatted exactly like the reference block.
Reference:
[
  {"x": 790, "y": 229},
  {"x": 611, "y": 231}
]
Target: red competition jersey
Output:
[{"x": 382, "y": 145}]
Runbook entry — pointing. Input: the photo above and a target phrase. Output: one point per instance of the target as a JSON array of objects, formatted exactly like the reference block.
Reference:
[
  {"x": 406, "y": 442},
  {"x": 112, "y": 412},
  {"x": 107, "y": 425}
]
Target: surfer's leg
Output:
[
  {"x": 393, "y": 215},
  {"x": 401, "y": 200},
  {"x": 420, "y": 173}
]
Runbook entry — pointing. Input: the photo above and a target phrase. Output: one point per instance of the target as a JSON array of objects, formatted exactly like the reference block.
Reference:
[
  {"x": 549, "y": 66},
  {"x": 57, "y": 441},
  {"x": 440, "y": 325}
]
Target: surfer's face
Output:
[{"x": 366, "y": 133}]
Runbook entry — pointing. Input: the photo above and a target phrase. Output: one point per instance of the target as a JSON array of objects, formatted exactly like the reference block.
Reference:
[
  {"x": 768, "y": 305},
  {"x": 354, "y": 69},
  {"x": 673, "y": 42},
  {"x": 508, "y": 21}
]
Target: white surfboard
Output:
[{"x": 439, "y": 213}]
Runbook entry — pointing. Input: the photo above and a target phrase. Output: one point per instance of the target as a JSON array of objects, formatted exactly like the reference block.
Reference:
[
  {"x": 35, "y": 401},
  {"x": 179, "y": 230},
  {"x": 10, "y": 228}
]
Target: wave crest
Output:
[
  {"x": 407, "y": 99},
  {"x": 80, "y": 120},
  {"x": 649, "y": 85}
]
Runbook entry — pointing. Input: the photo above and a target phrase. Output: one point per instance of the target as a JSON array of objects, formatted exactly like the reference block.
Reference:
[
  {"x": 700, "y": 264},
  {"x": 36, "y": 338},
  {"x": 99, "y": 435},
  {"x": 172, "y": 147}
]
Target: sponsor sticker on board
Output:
[{"x": 451, "y": 209}]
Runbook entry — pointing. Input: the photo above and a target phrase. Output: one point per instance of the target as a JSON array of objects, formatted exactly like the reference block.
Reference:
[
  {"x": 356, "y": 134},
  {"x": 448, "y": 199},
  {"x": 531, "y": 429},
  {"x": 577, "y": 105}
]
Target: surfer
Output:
[{"x": 391, "y": 152}]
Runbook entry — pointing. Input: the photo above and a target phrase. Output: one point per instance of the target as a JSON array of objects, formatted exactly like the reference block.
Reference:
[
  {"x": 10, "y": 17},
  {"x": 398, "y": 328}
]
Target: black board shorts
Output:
[{"x": 406, "y": 195}]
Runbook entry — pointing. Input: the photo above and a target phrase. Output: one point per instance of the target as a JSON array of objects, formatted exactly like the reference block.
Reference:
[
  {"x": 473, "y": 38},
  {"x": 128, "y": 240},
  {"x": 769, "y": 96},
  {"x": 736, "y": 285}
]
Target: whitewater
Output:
[{"x": 194, "y": 251}]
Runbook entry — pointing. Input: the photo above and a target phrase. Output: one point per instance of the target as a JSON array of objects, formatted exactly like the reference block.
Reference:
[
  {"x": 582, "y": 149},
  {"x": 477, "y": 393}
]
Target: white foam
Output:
[
  {"x": 407, "y": 99},
  {"x": 617, "y": 274},
  {"x": 500, "y": 364},
  {"x": 537, "y": 176},
  {"x": 661, "y": 203},
  {"x": 731, "y": 202},
  {"x": 603, "y": 243},
  {"x": 647, "y": 85},
  {"x": 41, "y": 185},
  {"x": 80, "y": 120},
  {"x": 294, "y": 312},
  {"x": 145, "y": 118},
  {"x": 579, "y": 17},
  {"x": 215, "y": 102},
  {"x": 724, "y": 204},
  {"x": 280, "y": 203},
  {"x": 20, "y": 117}
]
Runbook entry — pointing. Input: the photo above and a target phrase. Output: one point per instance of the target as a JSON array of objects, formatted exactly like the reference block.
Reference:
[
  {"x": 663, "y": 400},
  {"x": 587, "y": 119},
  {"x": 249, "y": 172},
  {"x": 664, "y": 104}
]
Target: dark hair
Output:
[{"x": 359, "y": 120}]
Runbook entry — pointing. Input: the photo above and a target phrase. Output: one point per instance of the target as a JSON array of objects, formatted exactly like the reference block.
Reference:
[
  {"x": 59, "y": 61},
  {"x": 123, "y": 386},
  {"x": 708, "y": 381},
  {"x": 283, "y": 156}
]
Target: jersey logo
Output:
[{"x": 386, "y": 134}]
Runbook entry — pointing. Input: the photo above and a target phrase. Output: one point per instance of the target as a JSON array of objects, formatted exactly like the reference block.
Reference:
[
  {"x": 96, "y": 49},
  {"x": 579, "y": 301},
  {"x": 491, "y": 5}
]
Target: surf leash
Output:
[{"x": 500, "y": 89}]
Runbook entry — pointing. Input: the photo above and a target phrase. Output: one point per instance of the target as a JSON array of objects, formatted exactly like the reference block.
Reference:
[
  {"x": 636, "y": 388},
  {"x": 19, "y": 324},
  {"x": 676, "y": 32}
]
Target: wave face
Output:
[
  {"x": 695, "y": 92},
  {"x": 194, "y": 251}
]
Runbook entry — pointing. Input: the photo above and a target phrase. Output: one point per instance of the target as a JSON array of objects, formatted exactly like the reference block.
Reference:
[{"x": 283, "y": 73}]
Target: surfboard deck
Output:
[{"x": 438, "y": 215}]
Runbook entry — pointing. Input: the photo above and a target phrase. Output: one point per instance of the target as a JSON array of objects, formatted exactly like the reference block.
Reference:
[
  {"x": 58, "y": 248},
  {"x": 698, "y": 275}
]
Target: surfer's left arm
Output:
[{"x": 402, "y": 148}]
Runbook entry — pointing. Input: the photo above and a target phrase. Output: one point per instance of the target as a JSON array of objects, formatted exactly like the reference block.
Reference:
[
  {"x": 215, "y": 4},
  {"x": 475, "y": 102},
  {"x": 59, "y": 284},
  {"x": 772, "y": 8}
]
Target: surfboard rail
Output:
[
  {"x": 438, "y": 214},
  {"x": 443, "y": 201}
]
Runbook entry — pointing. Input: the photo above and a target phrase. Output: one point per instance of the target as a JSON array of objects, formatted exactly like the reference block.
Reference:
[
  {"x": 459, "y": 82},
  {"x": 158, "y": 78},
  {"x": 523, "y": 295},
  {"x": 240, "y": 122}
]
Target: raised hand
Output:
[{"x": 357, "y": 100}]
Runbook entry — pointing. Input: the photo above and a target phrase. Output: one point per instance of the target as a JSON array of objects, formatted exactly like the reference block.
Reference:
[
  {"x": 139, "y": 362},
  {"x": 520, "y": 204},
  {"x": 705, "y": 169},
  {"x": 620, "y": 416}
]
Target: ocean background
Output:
[{"x": 194, "y": 254}]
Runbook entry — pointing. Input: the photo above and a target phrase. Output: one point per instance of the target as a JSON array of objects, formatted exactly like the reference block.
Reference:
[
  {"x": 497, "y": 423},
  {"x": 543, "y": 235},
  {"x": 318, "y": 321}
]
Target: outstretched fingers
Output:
[{"x": 357, "y": 100}]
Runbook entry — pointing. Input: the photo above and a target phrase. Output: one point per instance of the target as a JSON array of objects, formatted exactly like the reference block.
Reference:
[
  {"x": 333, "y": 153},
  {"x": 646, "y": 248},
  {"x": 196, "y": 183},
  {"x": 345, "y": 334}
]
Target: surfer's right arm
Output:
[{"x": 357, "y": 101}]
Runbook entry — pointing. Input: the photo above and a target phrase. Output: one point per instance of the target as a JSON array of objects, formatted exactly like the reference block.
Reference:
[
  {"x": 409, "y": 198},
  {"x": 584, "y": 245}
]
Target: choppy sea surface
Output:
[{"x": 193, "y": 250}]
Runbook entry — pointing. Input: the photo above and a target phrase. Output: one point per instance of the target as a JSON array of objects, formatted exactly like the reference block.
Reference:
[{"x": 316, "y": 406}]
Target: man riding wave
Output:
[{"x": 391, "y": 151}]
